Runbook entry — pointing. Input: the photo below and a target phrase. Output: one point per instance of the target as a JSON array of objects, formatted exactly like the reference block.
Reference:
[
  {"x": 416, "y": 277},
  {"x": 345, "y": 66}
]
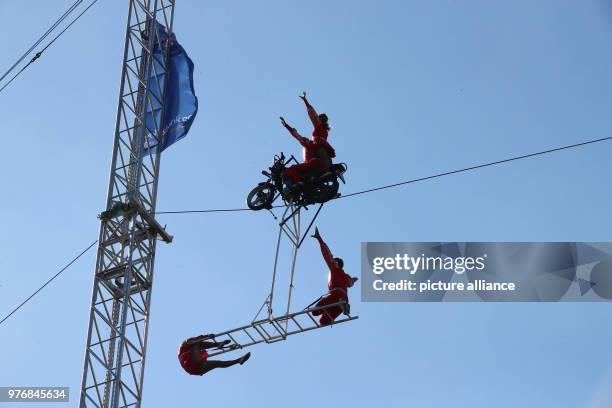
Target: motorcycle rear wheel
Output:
[{"x": 325, "y": 191}]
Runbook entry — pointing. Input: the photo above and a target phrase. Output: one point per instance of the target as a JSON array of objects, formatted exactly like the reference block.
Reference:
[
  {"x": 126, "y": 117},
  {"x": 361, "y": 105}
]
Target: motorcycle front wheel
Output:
[{"x": 261, "y": 197}]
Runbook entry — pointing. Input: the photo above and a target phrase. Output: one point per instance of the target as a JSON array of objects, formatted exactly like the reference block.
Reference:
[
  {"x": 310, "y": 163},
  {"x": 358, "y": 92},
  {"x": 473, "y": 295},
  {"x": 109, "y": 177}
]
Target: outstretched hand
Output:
[
  {"x": 303, "y": 97},
  {"x": 316, "y": 234}
]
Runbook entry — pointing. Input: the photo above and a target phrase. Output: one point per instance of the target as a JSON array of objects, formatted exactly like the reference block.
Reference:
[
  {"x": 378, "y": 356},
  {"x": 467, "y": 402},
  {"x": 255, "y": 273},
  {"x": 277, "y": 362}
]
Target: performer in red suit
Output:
[
  {"x": 318, "y": 153},
  {"x": 194, "y": 359},
  {"x": 338, "y": 283}
]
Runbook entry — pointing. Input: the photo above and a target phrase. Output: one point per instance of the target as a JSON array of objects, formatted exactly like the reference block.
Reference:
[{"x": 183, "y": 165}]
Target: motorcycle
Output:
[{"x": 318, "y": 188}]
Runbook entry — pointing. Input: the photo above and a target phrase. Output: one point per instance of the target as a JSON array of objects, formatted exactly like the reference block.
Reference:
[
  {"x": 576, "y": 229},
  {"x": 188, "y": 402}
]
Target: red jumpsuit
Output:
[
  {"x": 317, "y": 156},
  {"x": 189, "y": 364},
  {"x": 320, "y": 130},
  {"x": 317, "y": 152},
  {"x": 338, "y": 283}
]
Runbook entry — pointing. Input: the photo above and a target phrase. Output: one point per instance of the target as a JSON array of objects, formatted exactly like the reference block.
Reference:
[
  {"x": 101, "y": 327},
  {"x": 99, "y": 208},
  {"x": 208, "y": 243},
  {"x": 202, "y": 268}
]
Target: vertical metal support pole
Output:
[
  {"x": 113, "y": 371},
  {"x": 271, "y": 296},
  {"x": 296, "y": 228},
  {"x": 291, "y": 226}
]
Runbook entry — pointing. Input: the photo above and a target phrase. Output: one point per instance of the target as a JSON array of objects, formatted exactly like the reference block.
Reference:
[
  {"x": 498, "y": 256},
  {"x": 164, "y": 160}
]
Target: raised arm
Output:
[
  {"x": 312, "y": 113},
  {"x": 301, "y": 139},
  {"x": 327, "y": 255}
]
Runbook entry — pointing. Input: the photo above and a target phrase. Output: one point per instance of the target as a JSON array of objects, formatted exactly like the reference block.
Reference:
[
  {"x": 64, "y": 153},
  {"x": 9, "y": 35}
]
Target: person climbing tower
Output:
[
  {"x": 193, "y": 356},
  {"x": 338, "y": 283}
]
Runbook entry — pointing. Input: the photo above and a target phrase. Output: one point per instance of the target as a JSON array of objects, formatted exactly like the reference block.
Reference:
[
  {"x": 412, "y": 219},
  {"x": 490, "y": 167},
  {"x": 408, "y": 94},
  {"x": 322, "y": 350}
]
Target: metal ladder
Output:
[{"x": 275, "y": 329}]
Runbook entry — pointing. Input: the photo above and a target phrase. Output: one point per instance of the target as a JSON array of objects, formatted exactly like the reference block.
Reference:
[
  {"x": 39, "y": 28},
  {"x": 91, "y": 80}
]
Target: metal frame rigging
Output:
[{"x": 271, "y": 329}]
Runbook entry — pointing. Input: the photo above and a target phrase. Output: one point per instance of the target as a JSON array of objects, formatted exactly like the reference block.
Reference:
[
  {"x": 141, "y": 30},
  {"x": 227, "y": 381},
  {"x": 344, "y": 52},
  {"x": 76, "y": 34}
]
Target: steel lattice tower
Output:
[{"x": 119, "y": 316}]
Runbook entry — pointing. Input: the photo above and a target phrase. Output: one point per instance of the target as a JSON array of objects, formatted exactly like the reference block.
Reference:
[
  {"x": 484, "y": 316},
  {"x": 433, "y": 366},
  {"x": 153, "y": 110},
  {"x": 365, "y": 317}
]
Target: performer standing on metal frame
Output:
[{"x": 338, "y": 283}]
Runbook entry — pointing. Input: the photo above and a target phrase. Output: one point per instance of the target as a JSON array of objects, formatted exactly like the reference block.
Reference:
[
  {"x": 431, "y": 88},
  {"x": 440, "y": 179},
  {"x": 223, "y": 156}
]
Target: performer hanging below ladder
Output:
[
  {"x": 338, "y": 283},
  {"x": 194, "y": 359}
]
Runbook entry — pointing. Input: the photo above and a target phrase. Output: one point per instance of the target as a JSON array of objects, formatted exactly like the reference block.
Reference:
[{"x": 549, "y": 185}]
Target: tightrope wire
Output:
[
  {"x": 416, "y": 180},
  {"x": 49, "y": 281},
  {"x": 370, "y": 190}
]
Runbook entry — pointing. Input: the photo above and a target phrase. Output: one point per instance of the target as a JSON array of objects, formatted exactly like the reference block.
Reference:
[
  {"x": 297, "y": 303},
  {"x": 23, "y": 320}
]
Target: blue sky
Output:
[{"x": 412, "y": 88}]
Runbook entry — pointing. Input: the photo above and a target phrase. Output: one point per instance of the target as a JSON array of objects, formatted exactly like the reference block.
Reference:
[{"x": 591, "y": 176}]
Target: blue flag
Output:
[{"x": 180, "y": 102}]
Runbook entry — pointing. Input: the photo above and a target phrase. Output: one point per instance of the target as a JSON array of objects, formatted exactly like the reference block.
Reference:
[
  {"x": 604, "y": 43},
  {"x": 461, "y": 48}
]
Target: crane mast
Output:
[{"x": 114, "y": 364}]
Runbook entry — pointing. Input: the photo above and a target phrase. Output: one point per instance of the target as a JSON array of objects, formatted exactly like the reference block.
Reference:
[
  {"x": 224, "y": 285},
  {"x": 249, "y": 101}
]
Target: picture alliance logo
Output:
[{"x": 414, "y": 264}]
